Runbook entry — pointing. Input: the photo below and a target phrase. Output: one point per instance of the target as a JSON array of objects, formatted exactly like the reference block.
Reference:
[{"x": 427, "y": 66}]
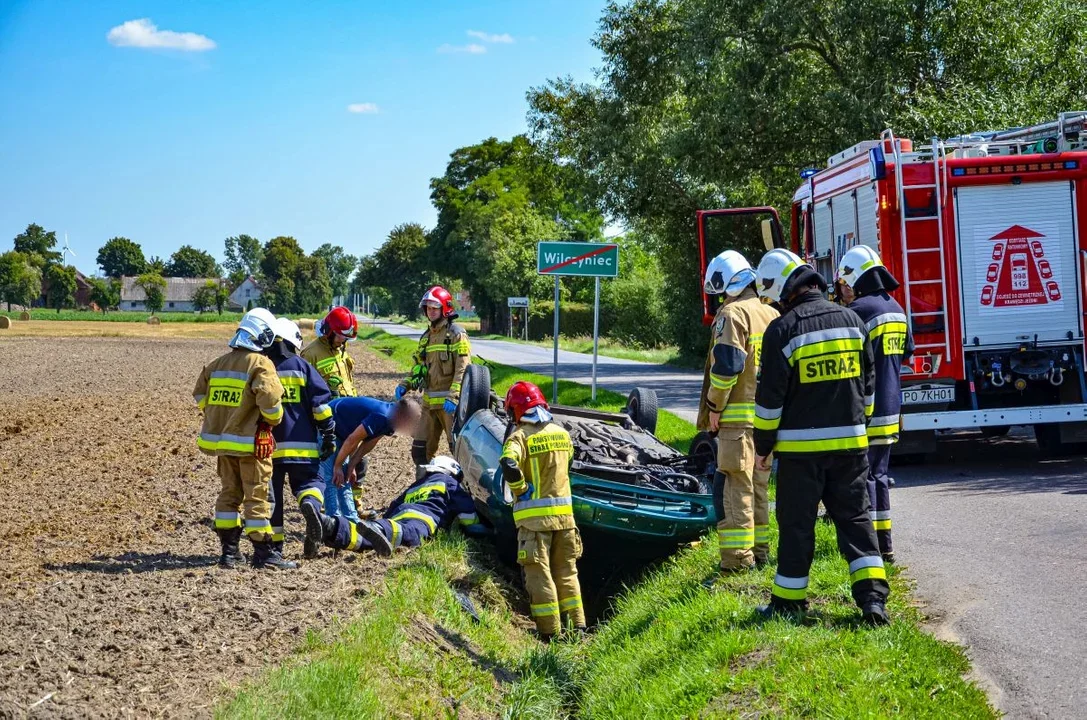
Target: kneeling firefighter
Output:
[
  {"x": 728, "y": 405},
  {"x": 434, "y": 502},
  {"x": 812, "y": 405},
  {"x": 864, "y": 285},
  {"x": 535, "y": 464}
]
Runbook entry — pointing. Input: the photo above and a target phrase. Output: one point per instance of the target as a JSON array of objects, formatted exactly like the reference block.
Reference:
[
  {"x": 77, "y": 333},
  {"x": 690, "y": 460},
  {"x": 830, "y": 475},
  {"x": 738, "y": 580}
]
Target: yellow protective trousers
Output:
[
  {"x": 549, "y": 561},
  {"x": 435, "y": 422},
  {"x": 244, "y": 496},
  {"x": 744, "y": 531}
]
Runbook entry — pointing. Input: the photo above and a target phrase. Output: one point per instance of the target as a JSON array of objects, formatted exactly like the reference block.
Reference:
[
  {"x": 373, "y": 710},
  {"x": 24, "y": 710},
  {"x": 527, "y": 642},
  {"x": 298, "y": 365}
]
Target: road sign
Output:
[
  {"x": 577, "y": 258},
  {"x": 517, "y": 302}
]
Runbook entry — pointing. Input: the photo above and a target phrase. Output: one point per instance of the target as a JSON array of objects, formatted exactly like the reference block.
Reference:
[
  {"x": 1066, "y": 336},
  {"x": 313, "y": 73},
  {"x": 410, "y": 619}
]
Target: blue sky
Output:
[{"x": 213, "y": 119}]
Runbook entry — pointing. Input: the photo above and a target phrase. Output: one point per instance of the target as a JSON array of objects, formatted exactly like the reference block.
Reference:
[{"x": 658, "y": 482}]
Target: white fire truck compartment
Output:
[{"x": 1018, "y": 269}]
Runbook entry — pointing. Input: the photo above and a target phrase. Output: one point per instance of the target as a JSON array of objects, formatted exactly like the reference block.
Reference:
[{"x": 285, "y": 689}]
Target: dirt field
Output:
[{"x": 110, "y": 602}]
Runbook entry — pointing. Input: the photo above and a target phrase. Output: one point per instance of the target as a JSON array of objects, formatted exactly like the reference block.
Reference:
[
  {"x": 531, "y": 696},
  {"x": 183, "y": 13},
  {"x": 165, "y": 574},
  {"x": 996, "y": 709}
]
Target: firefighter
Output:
[
  {"x": 328, "y": 353},
  {"x": 440, "y": 361},
  {"x": 241, "y": 397},
  {"x": 306, "y": 436},
  {"x": 535, "y": 464},
  {"x": 433, "y": 502},
  {"x": 864, "y": 285},
  {"x": 728, "y": 399},
  {"x": 812, "y": 404}
]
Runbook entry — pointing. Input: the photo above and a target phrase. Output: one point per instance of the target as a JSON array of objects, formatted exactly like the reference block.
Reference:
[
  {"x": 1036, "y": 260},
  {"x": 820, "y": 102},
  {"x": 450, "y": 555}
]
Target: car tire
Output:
[
  {"x": 475, "y": 394},
  {"x": 642, "y": 408},
  {"x": 704, "y": 448}
]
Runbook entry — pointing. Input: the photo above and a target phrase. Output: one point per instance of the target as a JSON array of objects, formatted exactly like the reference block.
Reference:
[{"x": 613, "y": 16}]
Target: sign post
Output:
[
  {"x": 514, "y": 303},
  {"x": 577, "y": 259}
]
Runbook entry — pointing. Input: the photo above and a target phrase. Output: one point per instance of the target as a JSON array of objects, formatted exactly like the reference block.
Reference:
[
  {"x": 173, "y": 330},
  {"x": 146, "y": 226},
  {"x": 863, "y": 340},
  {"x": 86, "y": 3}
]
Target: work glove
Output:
[
  {"x": 328, "y": 446},
  {"x": 449, "y": 406},
  {"x": 264, "y": 444},
  {"x": 399, "y": 392},
  {"x": 527, "y": 494}
]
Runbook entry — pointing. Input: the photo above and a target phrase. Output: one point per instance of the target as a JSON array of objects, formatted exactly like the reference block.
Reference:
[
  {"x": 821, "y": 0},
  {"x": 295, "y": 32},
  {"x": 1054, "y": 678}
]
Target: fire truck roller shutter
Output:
[{"x": 868, "y": 216}]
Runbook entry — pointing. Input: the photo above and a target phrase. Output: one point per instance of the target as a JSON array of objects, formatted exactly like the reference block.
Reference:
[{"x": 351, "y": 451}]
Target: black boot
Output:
[
  {"x": 314, "y": 529},
  {"x": 779, "y": 609},
  {"x": 875, "y": 613},
  {"x": 231, "y": 553},
  {"x": 372, "y": 532},
  {"x": 266, "y": 556},
  {"x": 329, "y": 527}
]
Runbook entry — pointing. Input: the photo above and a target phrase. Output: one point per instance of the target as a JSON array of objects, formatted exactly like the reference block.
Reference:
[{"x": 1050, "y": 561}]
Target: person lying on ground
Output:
[{"x": 435, "y": 501}]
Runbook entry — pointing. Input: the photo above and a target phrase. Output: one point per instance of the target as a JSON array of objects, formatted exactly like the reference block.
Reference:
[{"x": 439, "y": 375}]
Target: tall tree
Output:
[
  {"x": 279, "y": 268},
  {"x": 339, "y": 264},
  {"x": 312, "y": 289},
  {"x": 154, "y": 287},
  {"x": 20, "y": 279},
  {"x": 242, "y": 255},
  {"x": 61, "y": 280},
  {"x": 188, "y": 262},
  {"x": 38, "y": 244},
  {"x": 401, "y": 267},
  {"x": 204, "y": 296},
  {"x": 156, "y": 265},
  {"x": 121, "y": 256}
]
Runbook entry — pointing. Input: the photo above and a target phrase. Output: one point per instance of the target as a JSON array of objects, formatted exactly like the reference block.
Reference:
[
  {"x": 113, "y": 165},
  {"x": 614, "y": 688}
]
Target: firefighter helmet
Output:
[
  {"x": 255, "y": 330},
  {"x": 441, "y": 464},
  {"x": 775, "y": 270},
  {"x": 287, "y": 329},
  {"x": 438, "y": 296},
  {"x": 728, "y": 273},
  {"x": 856, "y": 262},
  {"x": 522, "y": 397},
  {"x": 340, "y": 321}
]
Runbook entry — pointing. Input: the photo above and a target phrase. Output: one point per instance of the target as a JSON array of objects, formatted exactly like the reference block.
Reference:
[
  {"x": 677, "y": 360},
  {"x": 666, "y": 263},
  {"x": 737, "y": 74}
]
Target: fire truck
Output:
[{"x": 984, "y": 233}]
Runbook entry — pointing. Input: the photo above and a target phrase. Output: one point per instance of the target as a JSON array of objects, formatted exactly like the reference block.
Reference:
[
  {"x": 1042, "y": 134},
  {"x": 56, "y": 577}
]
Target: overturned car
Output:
[{"x": 628, "y": 487}]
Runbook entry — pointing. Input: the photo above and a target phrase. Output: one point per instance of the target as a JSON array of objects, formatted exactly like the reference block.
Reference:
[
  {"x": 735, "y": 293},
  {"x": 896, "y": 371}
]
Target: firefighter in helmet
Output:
[
  {"x": 440, "y": 361},
  {"x": 864, "y": 285},
  {"x": 535, "y": 464},
  {"x": 328, "y": 353},
  {"x": 728, "y": 409},
  {"x": 812, "y": 405}
]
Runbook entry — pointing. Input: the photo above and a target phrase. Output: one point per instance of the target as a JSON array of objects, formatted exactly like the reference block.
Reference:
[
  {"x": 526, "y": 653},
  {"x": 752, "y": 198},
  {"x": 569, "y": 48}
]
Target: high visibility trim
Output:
[
  {"x": 767, "y": 418},
  {"x": 823, "y": 433},
  {"x": 880, "y": 514},
  {"x": 292, "y": 382},
  {"x": 273, "y": 413},
  {"x": 454, "y": 387},
  {"x": 762, "y": 534},
  {"x": 322, "y": 412},
  {"x": 738, "y": 412},
  {"x": 225, "y": 443},
  {"x": 814, "y": 446},
  {"x": 865, "y": 561},
  {"x": 468, "y": 518},
  {"x": 443, "y": 394},
  {"x": 277, "y": 533},
  {"x": 201, "y": 400},
  {"x": 299, "y": 374},
  {"x": 295, "y": 450},
  {"x": 415, "y": 515},
  {"x": 460, "y": 348},
  {"x": 534, "y": 463},
  {"x": 544, "y": 609},
  {"x": 512, "y": 451},
  {"x": 885, "y": 319},
  {"x": 845, "y": 339},
  {"x": 723, "y": 383},
  {"x": 543, "y": 507},
  {"x": 881, "y": 525},
  {"x": 229, "y": 375},
  {"x": 263, "y": 527},
  {"x": 311, "y": 492},
  {"x": 875, "y": 431},
  {"x": 227, "y": 520},
  {"x": 421, "y": 493},
  {"x": 736, "y": 538},
  {"x": 397, "y": 533},
  {"x": 790, "y": 588},
  {"x": 570, "y": 603},
  {"x": 353, "y": 537},
  {"x": 434, "y": 402},
  {"x": 869, "y": 573},
  {"x": 327, "y": 363}
]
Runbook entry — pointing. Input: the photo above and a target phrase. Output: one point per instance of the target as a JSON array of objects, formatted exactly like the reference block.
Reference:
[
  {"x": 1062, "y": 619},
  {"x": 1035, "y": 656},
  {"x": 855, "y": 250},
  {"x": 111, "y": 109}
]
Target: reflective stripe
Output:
[
  {"x": 543, "y": 507},
  {"x": 201, "y": 400},
  {"x": 227, "y": 520},
  {"x": 229, "y": 375},
  {"x": 880, "y": 514},
  {"x": 824, "y": 433},
  {"x": 823, "y": 341},
  {"x": 232, "y": 443},
  {"x": 762, "y": 534},
  {"x": 353, "y": 541},
  {"x": 881, "y": 525},
  {"x": 322, "y": 412},
  {"x": 885, "y": 319},
  {"x": 396, "y": 532},
  {"x": 467, "y": 518},
  {"x": 311, "y": 492},
  {"x": 273, "y": 413},
  {"x": 788, "y": 588},
  {"x": 301, "y": 374},
  {"x": 736, "y": 538},
  {"x": 767, "y": 418},
  {"x": 511, "y": 451},
  {"x": 738, "y": 412},
  {"x": 881, "y": 420},
  {"x": 277, "y": 533},
  {"x": 436, "y": 394},
  {"x": 415, "y": 515},
  {"x": 721, "y": 382},
  {"x": 258, "y": 526},
  {"x": 461, "y": 348},
  {"x": 295, "y": 450},
  {"x": 867, "y": 561},
  {"x": 454, "y": 387},
  {"x": 570, "y": 603},
  {"x": 844, "y": 437},
  {"x": 544, "y": 609}
]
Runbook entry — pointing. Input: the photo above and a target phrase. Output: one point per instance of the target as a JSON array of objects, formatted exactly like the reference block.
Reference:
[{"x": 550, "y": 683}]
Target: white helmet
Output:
[
  {"x": 856, "y": 262},
  {"x": 288, "y": 330},
  {"x": 728, "y": 273},
  {"x": 441, "y": 464},
  {"x": 775, "y": 269},
  {"x": 255, "y": 330}
]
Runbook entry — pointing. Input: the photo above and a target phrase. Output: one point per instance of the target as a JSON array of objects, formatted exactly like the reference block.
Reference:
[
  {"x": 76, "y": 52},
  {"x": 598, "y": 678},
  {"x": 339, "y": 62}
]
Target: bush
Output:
[{"x": 575, "y": 319}]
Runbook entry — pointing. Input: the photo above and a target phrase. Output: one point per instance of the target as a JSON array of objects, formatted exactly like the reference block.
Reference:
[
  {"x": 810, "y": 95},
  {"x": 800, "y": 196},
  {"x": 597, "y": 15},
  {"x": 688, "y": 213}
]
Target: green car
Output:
[{"x": 630, "y": 489}]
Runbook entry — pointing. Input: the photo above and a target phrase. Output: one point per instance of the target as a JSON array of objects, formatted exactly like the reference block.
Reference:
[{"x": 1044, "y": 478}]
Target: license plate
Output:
[{"x": 925, "y": 396}]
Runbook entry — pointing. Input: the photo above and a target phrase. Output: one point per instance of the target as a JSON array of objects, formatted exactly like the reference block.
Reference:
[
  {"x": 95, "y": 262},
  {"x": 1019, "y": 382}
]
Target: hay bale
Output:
[
  {"x": 153, "y": 321},
  {"x": 5, "y": 322},
  {"x": 24, "y": 316},
  {"x": 306, "y": 324}
]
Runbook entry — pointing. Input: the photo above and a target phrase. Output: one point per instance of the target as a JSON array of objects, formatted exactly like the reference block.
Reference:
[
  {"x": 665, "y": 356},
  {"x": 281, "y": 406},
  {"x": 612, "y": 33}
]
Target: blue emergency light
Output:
[{"x": 808, "y": 172}]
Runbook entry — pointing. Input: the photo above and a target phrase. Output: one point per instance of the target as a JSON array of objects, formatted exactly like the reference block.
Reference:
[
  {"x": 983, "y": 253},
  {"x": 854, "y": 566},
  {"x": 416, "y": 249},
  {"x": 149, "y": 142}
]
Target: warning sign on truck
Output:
[{"x": 1017, "y": 273}]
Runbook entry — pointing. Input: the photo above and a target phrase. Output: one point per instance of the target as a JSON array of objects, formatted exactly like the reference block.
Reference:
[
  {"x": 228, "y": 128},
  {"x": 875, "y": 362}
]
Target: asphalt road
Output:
[{"x": 994, "y": 536}]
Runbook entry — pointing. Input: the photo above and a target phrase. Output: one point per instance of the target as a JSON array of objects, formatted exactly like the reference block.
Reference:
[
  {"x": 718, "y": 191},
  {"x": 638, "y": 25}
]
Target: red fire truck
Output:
[{"x": 984, "y": 232}]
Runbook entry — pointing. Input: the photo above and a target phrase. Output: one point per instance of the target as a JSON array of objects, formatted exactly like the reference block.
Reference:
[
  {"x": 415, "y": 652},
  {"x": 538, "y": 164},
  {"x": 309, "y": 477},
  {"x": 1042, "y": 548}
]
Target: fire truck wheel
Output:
[
  {"x": 1048, "y": 437},
  {"x": 994, "y": 431}
]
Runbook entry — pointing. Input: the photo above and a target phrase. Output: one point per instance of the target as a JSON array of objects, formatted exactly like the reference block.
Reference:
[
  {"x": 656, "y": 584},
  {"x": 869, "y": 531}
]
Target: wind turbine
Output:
[{"x": 65, "y": 250}]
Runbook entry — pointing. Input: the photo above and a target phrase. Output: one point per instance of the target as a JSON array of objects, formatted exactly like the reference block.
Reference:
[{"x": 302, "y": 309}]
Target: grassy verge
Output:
[
  {"x": 667, "y": 355},
  {"x": 671, "y": 647}
]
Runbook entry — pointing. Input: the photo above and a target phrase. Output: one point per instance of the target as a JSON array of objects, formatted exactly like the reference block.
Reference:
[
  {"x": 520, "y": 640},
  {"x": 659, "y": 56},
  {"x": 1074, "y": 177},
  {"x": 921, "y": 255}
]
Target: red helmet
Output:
[
  {"x": 522, "y": 397},
  {"x": 439, "y": 297},
  {"x": 341, "y": 321}
]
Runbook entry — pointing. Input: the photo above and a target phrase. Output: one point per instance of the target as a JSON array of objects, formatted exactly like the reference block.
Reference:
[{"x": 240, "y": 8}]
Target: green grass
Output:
[{"x": 667, "y": 355}]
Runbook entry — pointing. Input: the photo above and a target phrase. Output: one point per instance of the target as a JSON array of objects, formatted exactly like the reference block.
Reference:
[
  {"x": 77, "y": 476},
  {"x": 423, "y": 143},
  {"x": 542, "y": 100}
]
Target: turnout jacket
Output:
[
  {"x": 334, "y": 364},
  {"x": 732, "y": 367},
  {"x": 817, "y": 384},
  {"x": 892, "y": 343},
  {"x": 235, "y": 391},
  {"x": 306, "y": 411},
  {"x": 542, "y": 451},
  {"x": 443, "y": 355},
  {"x": 438, "y": 500}
]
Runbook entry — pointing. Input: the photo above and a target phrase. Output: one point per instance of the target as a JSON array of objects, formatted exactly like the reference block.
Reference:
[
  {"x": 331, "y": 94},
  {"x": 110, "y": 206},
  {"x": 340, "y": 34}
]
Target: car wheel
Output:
[
  {"x": 704, "y": 449},
  {"x": 475, "y": 394},
  {"x": 642, "y": 408}
]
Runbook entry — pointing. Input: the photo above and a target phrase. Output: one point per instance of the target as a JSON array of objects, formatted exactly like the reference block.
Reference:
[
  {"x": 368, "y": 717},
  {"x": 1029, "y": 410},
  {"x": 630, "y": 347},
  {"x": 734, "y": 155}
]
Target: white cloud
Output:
[
  {"x": 363, "y": 108},
  {"x": 143, "y": 33},
  {"x": 471, "y": 49},
  {"x": 503, "y": 39}
]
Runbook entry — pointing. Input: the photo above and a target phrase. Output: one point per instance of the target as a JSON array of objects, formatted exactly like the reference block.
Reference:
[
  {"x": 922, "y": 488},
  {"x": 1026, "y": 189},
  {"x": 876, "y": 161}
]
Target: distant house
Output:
[
  {"x": 179, "y": 292},
  {"x": 82, "y": 291},
  {"x": 464, "y": 301},
  {"x": 248, "y": 291}
]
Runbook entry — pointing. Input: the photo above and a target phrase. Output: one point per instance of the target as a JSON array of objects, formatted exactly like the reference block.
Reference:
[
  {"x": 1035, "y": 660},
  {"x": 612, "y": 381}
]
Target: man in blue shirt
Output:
[{"x": 361, "y": 422}]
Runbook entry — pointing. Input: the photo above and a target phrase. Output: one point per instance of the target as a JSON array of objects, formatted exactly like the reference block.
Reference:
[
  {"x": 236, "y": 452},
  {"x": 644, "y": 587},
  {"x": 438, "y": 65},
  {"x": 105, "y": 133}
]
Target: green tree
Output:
[
  {"x": 242, "y": 254},
  {"x": 156, "y": 265},
  {"x": 339, "y": 265},
  {"x": 105, "y": 293},
  {"x": 154, "y": 287},
  {"x": 400, "y": 266},
  {"x": 313, "y": 290},
  {"x": 20, "y": 279},
  {"x": 61, "y": 280},
  {"x": 222, "y": 297},
  {"x": 35, "y": 242},
  {"x": 121, "y": 256},
  {"x": 204, "y": 296},
  {"x": 718, "y": 103},
  {"x": 188, "y": 262},
  {"x": 279, "y": 267}
]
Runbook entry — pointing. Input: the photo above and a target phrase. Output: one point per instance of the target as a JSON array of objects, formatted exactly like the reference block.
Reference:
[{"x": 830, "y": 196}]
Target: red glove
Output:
[{"x": 265, "y": 443}]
